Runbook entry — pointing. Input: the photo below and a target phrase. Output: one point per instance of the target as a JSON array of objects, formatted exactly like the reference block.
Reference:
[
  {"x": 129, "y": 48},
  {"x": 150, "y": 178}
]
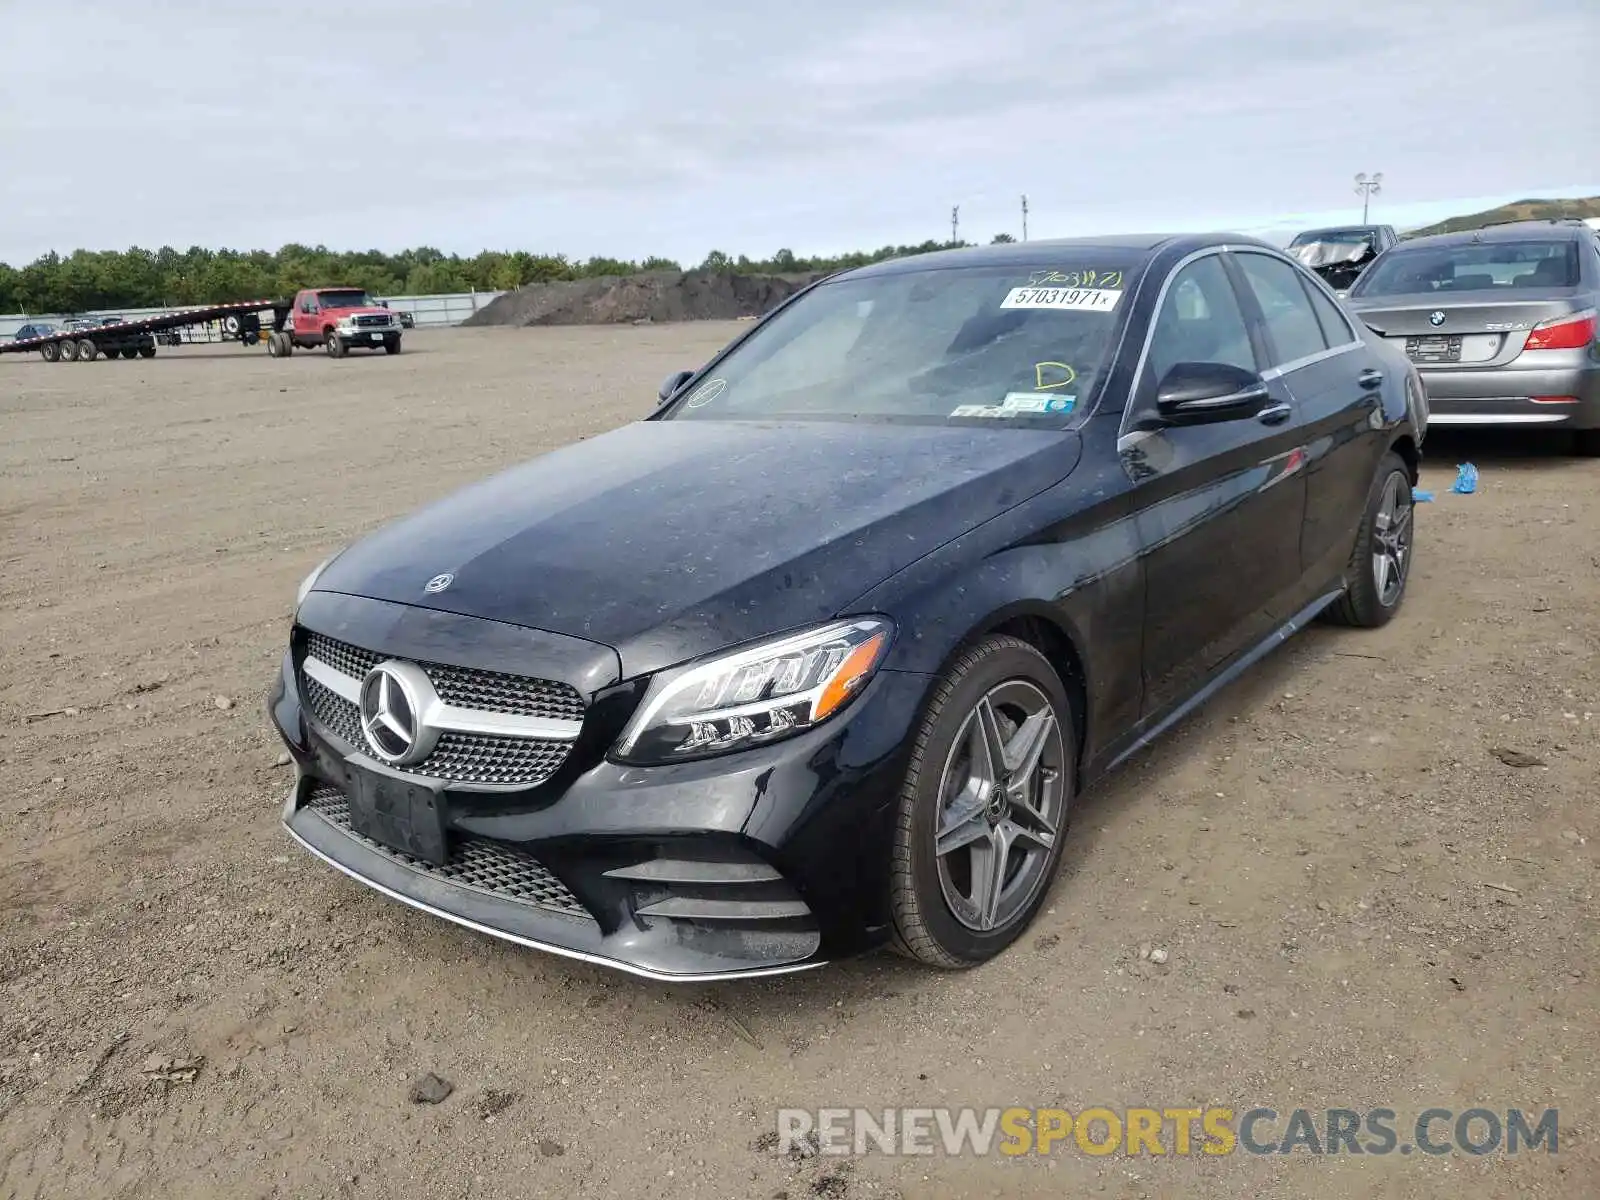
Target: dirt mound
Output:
[{"x": 653, "y": 296}]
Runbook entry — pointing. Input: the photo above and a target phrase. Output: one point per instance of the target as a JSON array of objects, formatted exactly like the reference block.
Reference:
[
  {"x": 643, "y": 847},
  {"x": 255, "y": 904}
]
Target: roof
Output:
[
  {"x": 1049, "y": 251},
  {"x": 1511, "y": 231}
]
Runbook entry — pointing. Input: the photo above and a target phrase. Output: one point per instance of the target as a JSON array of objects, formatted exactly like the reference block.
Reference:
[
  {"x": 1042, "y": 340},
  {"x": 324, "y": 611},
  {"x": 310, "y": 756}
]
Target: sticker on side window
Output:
[{"x": 1064, "y": 299}]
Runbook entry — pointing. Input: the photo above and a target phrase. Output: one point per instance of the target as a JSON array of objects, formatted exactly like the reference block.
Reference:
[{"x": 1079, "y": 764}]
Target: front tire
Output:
[
  {"x": 334, "y": 345},
  {"x": 1380, "y": 565},
  {"x": 984, "y": 808},
  {"x": 391, "y": 345}
]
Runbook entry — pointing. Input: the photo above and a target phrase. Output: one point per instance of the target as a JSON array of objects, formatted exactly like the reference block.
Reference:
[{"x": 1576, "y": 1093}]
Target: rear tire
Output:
[
  {"x": 969, "y": 865},
  {"x": 50, "y": 352},
  {"x": 86, "y": 351},
  {"x": 130, "y": 352},
  {"x": 1380, "y": 564},
  {"x": 274, "y": 345},
  {"x": 147, "y": 351},
  {"x": 1586, "y": 442}
]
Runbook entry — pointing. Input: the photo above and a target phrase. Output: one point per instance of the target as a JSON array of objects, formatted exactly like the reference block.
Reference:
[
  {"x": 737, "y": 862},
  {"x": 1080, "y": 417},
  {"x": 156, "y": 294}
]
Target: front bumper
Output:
[
  {"x": 365, "y": 336},
  {"x": 764, "y": 862},
  {"x": 1504, "y": 396}
]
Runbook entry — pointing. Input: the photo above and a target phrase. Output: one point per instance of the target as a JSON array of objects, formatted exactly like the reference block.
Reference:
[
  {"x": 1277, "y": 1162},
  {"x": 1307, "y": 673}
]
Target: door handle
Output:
[
  {"x": 1370, "y": 379},
  {"x": 1275, "y": 414}
]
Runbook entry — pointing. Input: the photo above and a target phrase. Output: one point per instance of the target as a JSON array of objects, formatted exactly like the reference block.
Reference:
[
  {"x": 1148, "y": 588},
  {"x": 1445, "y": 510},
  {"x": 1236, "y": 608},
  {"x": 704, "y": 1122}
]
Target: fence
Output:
[{"x": 428, "y": 312}]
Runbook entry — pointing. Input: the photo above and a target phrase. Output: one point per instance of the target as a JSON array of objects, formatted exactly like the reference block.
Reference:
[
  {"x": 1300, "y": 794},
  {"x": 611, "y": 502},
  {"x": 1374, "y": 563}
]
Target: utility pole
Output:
[
  {"x": 1368, "y": 186},
  {"x": 955, "y": 223},
  {"x": 1024, "y": 218}
]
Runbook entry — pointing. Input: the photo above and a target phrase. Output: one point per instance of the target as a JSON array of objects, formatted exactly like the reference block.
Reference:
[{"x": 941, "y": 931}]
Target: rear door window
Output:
[
  {"x": 1336, "y": 330},
  {"x": 1292, "y": 323}
]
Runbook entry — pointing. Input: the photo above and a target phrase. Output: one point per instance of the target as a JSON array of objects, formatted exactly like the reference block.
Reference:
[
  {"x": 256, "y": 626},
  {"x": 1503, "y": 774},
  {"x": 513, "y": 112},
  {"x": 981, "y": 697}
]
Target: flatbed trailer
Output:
[{"x": 241, "y": 321}]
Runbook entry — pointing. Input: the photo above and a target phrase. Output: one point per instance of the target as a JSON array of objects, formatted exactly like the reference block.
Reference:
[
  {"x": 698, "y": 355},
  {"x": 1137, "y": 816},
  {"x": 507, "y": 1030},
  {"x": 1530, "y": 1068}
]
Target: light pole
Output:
[
  {"x": 1024, "y": 218},
  {"x": 1368, "y": 186},
  {"x": 955, "y": 222}
]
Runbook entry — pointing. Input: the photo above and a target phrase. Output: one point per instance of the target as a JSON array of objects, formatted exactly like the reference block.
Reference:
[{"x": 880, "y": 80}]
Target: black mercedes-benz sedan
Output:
[{"x": 819, "y": 654}]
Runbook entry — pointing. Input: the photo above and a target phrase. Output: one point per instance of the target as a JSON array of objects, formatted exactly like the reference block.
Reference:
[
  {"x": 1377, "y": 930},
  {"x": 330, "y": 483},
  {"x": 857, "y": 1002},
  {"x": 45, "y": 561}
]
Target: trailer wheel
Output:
[
  {"x": 147, "y": 351},
  {"x": 130, "y": 352},
  {"x": 85, "y": 351},
  {"x": 50, "y": 352},
  {"x": 334, "y": 345}
]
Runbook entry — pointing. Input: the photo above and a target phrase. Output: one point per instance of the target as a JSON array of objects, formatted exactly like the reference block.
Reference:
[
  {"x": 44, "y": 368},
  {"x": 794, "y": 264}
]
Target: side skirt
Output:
[{"x": 1223, "y": 678}]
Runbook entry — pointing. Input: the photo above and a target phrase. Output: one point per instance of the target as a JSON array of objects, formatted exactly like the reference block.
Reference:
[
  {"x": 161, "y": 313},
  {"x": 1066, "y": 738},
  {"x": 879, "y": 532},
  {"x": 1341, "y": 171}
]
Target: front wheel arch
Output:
[
  {"x": 1029, "y": 621},
  {"x": 1406, "y": 447}
]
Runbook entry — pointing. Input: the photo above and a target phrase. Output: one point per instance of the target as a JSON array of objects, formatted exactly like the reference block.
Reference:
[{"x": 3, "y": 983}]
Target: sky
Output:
[{"x": 634, "y": 128}]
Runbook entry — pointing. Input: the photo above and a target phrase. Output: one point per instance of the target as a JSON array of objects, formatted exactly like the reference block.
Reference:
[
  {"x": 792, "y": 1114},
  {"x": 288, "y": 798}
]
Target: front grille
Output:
[
  {"x": 482, "y": 758},
  {"x": 492, "y": 868},
  {"x": 334, "y": 713},
  {"x": 341, "y": 656},
  {"x": 465, "y": 758},
  {"x": 465, "y": 687},
  {"x": 371, "y": 320}
]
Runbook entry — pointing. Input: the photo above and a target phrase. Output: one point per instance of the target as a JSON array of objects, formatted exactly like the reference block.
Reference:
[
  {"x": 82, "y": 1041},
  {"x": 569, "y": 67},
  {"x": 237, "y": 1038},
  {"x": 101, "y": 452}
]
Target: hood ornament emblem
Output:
[{"x": 438, "y": 583}]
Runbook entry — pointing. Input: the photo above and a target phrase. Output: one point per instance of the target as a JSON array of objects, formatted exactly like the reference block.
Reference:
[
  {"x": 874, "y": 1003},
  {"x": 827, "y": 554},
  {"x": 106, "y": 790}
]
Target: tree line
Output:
[{"x": 100, "y": 280}]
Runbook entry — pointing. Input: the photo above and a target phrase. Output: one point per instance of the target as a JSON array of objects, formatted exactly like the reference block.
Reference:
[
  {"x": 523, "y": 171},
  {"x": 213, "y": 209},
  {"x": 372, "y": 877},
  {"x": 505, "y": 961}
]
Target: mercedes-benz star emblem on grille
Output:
[
  {"x": 394, "y": 697},
  {"x": 439, "y": 582},
  {"x": 1434, "y": 318}
]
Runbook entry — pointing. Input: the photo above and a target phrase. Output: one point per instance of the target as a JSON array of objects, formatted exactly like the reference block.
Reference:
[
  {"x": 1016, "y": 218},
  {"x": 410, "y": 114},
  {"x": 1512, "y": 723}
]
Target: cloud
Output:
[{"x": 636, "y": 128}]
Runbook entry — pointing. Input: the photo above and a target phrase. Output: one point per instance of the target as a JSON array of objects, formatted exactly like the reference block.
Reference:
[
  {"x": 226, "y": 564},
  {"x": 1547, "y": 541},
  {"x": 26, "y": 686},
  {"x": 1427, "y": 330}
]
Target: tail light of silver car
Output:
[{"x": 1570, "y": 331}]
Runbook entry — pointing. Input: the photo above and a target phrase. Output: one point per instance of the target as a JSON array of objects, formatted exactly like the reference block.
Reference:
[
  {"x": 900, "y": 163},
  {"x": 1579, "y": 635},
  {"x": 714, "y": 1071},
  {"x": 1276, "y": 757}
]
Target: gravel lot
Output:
[{"x": 1361, "y": 904}]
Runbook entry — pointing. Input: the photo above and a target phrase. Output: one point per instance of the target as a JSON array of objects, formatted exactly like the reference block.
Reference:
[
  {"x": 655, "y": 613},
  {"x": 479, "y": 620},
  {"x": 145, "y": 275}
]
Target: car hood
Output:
[
  {"x": 365, "y": 311},
  {"x": 669, "y": 539}
]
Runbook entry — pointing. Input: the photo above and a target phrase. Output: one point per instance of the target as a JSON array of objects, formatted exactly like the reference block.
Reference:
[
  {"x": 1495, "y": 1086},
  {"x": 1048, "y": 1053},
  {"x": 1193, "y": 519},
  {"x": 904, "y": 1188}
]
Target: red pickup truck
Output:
[{"x": 339, "y": 319}]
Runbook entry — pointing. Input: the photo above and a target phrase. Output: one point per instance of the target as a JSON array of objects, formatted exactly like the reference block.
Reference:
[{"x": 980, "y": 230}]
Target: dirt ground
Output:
[{"x": 1361, "y": 905}]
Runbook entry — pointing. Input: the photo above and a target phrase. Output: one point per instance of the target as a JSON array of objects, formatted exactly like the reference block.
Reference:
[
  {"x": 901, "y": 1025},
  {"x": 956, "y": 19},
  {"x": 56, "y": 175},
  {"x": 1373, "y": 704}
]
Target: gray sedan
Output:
[{"x": 1501, "y": 323}]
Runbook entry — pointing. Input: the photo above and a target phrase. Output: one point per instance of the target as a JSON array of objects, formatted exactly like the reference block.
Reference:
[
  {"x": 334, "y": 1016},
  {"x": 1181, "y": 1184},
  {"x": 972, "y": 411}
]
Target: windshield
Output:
[
  {"x": 1472, "y": 267},
  {"x": 1018, "y": 342},
  {"x": 345, "y": 298}
]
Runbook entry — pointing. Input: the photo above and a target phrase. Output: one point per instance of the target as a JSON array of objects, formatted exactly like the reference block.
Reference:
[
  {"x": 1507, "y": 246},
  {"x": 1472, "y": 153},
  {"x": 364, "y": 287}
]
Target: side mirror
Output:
[
  {"x": 671, "y": 385},
  {"x": 1199, "y": 393}
]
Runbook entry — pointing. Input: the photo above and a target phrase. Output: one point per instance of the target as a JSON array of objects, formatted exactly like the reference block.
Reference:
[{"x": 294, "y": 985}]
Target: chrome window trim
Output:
[{"x": 1307, "y": 360}]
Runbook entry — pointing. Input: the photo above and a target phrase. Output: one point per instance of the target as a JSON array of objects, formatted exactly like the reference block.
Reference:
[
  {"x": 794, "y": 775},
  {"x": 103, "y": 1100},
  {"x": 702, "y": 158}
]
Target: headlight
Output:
[
  {"x": 755, "y": 695},
  {"x": 310, "y": 581}
]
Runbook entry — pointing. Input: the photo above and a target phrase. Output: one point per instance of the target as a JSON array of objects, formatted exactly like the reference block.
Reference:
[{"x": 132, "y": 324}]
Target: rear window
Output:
[{"x": 1480, "y": 267}]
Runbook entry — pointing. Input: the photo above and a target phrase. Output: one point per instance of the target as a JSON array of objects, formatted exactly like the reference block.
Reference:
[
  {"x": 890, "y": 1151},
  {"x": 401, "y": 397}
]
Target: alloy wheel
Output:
[
  {"x": 1391, "y": 540},
  {"x": 1002, "y": 795}
]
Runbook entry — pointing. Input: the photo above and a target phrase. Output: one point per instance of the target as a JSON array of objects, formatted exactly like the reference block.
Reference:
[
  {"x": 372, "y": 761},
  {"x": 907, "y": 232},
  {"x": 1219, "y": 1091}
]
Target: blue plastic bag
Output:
[
  {"x": 1421, "y": 497},
  {"x": 1466, "y": 479}
]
